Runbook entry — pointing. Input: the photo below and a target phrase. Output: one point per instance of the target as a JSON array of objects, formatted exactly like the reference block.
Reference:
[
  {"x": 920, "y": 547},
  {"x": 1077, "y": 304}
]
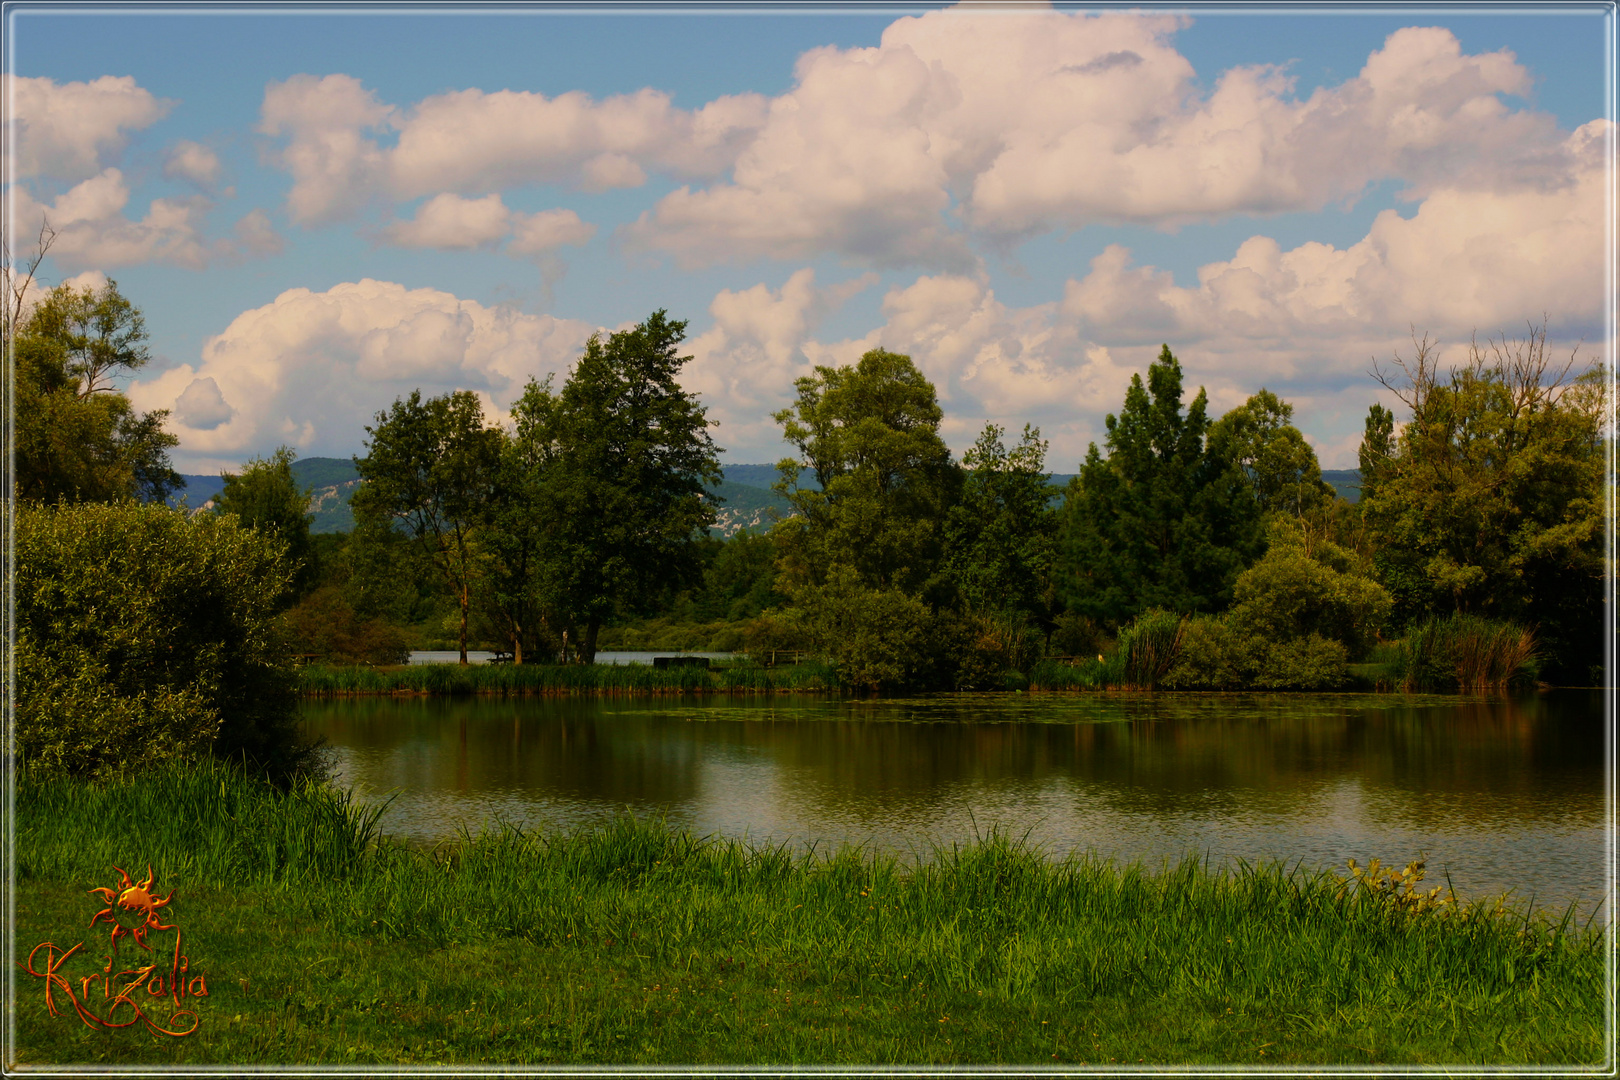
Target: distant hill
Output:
[
  {"x": 331, "y": 480},
  {"x": 1347, "y": 482},
  {"x": 749, "y": 502}
]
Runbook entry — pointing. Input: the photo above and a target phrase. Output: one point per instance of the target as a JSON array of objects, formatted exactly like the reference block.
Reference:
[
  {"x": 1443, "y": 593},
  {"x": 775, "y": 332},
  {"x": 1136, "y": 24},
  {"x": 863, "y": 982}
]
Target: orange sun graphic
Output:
[{"x": 134, "y": 901}]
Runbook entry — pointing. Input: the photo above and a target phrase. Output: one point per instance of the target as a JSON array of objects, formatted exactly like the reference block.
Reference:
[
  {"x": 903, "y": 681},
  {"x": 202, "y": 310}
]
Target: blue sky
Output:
[{"x": 320, "y": 211}]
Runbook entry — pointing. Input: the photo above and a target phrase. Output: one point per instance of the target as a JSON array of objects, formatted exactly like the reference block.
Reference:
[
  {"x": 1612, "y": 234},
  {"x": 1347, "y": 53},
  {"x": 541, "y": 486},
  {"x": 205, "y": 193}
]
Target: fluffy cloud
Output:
[
  {"x": 92, "y": 231},
  {"x": 193, "y": 163},
  {"x": 745, "y": 363},
  {"x": 333, "y": 163},
  {"x": 1306, "y": 322},
  {"x": 1463, "y": 260},
  {"x": 1020, "y": 122},
  {"x": 69, "y": 131},
  {"x": 450, "y": 222},
  {"x": 469, "y": 141},
  {"x": 536, "y": 234},
  {"x": 312, "y": 369}
]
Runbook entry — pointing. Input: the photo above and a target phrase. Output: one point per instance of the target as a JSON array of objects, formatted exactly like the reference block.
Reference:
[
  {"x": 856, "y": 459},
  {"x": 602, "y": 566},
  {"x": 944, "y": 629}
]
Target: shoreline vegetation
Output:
[
  {"x": 1157, "y": 652},
  {"x": 636, "y": 942}
]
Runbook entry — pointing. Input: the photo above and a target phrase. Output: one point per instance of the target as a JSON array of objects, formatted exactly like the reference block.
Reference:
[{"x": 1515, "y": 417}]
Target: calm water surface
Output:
[{"x": 1503, "y": 793}]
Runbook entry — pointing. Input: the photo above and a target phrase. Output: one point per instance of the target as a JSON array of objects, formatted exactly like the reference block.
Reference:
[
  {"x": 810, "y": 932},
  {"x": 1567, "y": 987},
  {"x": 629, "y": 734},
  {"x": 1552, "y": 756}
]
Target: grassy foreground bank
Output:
[{"x": 636, "y": 943}]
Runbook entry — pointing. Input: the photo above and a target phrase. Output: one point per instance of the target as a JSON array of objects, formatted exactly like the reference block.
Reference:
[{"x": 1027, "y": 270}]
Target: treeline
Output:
[
  {"x": 1189, "y": 551},
  {"x": 580, "y": 518}
]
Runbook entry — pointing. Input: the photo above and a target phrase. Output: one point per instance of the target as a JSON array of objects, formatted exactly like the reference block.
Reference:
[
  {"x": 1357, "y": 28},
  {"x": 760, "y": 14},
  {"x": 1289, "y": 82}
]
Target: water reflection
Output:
[{"x": 1504, "y": 793}]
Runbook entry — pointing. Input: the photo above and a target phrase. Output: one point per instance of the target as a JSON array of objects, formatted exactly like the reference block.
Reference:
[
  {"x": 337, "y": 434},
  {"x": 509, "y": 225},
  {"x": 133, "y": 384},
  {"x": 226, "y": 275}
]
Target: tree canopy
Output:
[
  {"x": 1164, "y": 520},
  {"x": 1491, "y": 499},
  {"x": 76, "y": 437},
  {"x": 870, "y": 433},
  {"x": 266, "y": 497},
  {"x": 430, "y": 471},
  {"x": 626, "y": 456}
]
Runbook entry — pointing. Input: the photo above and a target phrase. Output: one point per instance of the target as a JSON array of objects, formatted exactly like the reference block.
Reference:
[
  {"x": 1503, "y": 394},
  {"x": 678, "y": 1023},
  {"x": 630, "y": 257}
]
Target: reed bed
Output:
[
  {"x": 321, "y": 680},
  {"x": 1460, "y": 652},
  {"x": 987, "y": 927}
]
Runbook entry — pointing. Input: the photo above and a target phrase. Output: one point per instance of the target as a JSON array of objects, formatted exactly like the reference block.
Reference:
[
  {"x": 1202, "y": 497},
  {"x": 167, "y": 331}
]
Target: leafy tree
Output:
[
  {"x": 1282, "y": 469},
  {"x": 266, "y": 497},
  {"x": 146, "y": 634},
  {"x": 627, "y": 456},
  {"x": 1299, "y": 588},
  {"x": 1377, "y": 447},
  {"x": 1000, "y": 538},
  {"x": 430, "y": 470},
  {"x": 870, "y": 434},
  {"x": 1164, "y": 520},
  {"x": 76, "y": 437},
  {"x": 1491, "y": 502},
  {"x": 740, "y": 581},
  {"x": 517, "y": 585}
]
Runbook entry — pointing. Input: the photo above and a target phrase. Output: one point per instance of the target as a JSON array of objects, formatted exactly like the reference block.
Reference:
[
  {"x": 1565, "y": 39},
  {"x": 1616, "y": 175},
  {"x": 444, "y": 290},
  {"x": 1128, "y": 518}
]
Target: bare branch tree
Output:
[{"x": 18, "y": 281}]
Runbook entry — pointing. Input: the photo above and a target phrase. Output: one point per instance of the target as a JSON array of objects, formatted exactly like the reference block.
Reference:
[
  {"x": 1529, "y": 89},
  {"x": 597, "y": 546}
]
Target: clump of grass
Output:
[
  {"x": 1087, "y": 674},
  {"x": 1148, "y": 646},
  {"x": 1461, "y": 652}
]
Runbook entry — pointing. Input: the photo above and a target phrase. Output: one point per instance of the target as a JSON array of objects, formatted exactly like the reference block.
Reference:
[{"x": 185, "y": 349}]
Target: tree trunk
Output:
[
  {"x": 464, "y": 623},
  {"x": 587, "y": 647},
  {"x": 517, "y": 644}
]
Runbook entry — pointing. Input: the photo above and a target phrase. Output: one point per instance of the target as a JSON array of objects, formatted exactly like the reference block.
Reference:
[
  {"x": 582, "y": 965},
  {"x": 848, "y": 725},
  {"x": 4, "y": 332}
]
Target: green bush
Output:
[
  {"x": 879, "y": 639},
  {"x": 1217, "y": 654},
  {"x": 324, "y": 623},
  {"x": 1299, "y": 589},
  {"x": 145, "y": 635}
]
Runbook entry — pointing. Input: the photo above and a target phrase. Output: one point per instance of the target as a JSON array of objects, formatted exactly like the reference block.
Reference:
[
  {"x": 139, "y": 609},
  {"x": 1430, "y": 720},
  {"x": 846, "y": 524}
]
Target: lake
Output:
[{"x": 1504, "y": 793}]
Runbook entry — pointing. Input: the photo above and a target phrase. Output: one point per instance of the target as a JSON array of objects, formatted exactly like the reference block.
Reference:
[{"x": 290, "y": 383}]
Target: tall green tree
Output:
[
  {"x": 266, "y": 497},
  {"x": 870, "y": 434},
  {"x": 1377, "y": 447},
  {"x": 430, "y": 471},
  {"x": 1161, "y": 521},
  {"x": 1000, "y": 539},
  {"x": 1491, "y": 501},
  {"x": 1260, "y": 438},
  {"x": 518, "y": 585},
  {"x": 627, "y": 458},
  {"x": 76, "y": 437}
]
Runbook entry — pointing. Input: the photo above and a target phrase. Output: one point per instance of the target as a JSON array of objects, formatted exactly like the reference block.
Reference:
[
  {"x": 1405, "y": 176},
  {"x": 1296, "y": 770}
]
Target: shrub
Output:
[
  {"x": 879, "y": 639},
  {"x": 1295, "y": 591},
  {"x": 144, "y": 635},
  {"x": 1216, "y": 654},
  {"x": 325, "y": 623}
]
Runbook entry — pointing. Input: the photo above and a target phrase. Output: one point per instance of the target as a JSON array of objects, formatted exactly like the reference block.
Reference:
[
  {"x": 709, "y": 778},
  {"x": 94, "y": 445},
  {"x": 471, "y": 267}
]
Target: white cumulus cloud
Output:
[
  {"x": 449, "y": 222},
  {"x": 998, "y": 125},
  {"x": 71, "y": 131},
  {"x": 312, "y": 369},
  {"x": 469, "y": 141},
  {"x": 194, "y": 163}
]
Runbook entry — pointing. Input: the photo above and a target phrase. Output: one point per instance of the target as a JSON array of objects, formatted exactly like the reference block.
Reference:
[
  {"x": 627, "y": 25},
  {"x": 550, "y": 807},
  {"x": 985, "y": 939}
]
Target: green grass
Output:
[
  {"x": 637, "y": 943},
  {"x": 319, "y": 680}
]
